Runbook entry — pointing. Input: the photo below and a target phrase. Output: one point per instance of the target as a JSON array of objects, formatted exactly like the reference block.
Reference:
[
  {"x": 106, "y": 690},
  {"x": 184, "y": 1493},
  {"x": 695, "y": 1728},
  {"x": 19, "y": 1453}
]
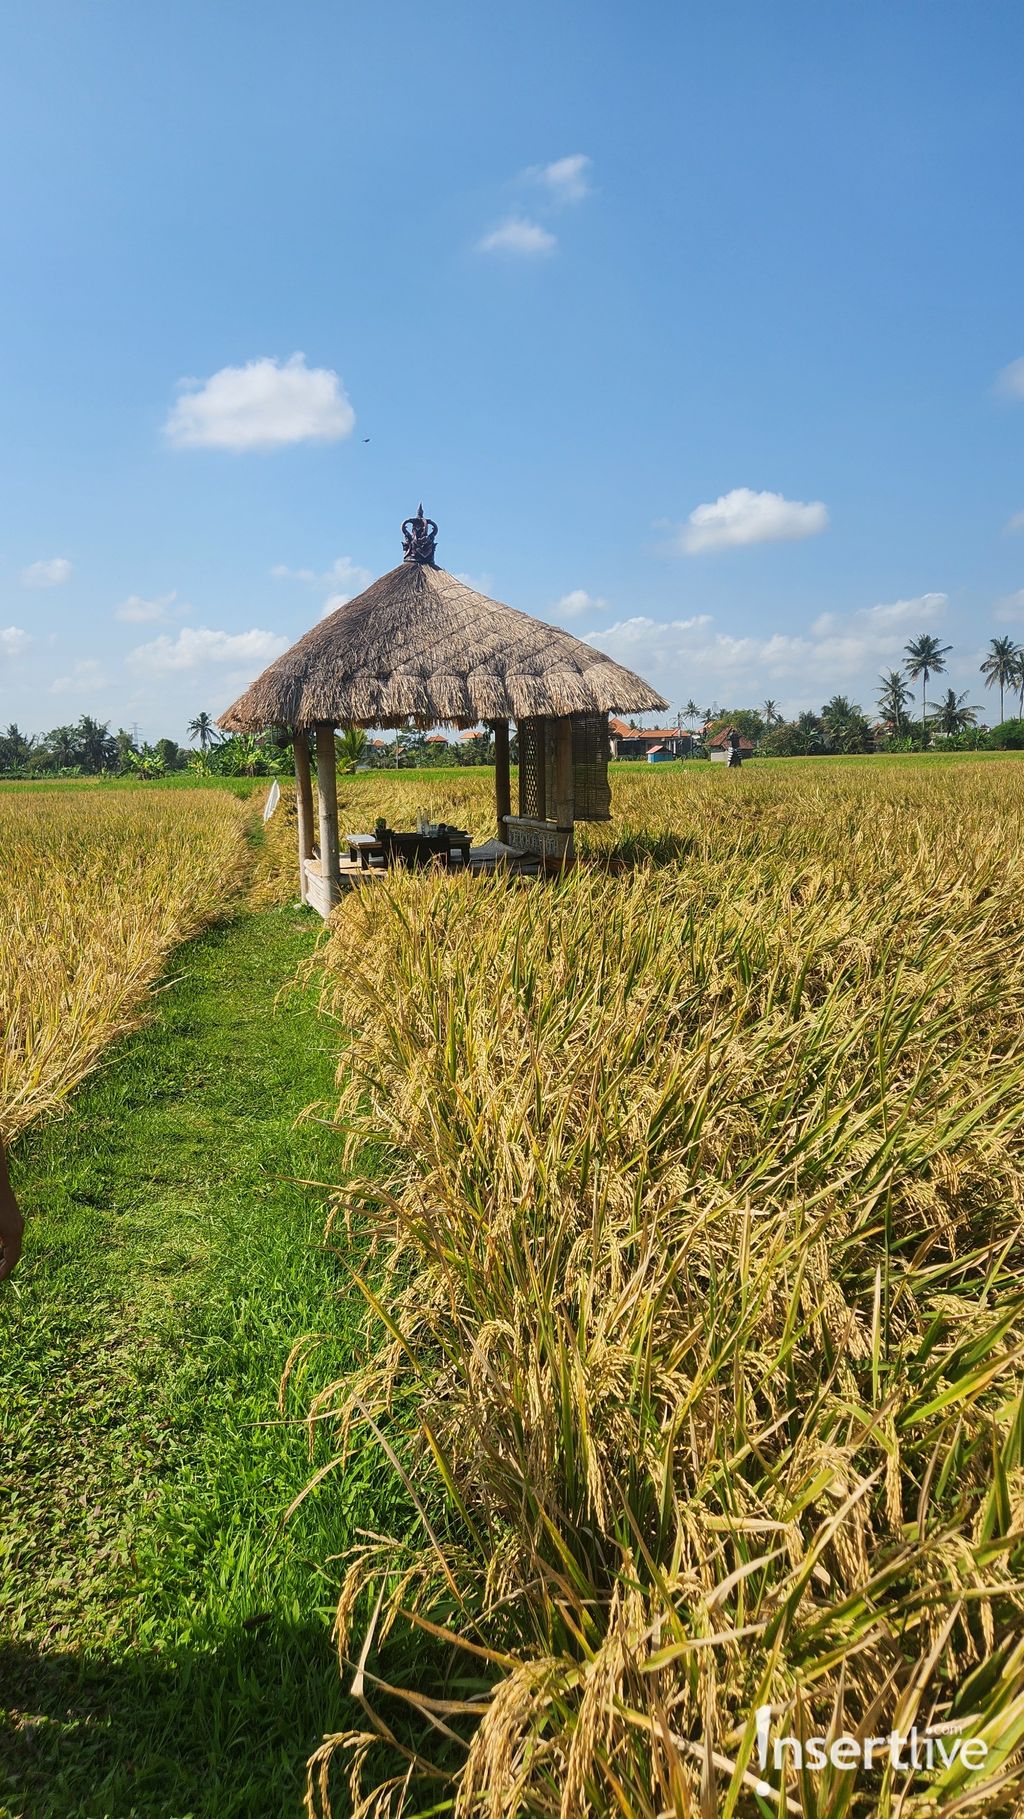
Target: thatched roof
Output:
[{"x": 420, "y": 645}]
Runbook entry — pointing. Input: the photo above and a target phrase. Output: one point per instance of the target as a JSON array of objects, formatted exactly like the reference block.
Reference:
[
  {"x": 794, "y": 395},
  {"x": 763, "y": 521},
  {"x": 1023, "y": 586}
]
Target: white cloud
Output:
[
  {"x": 343, "y": 573},
  {"x": 281, "y": 572},
  {"x": 1014, "y": 524},
  {"x": 639, "y": 630},
  {"x": 579, "y": 601},
  {"x": 839, "y": 652},
  {"x": 906, "y": 612},
  {"x": 332, "y": 604},
  {"x": 262, "y": 405},
  {"x": 137, "y": 611},
  {"x": 87, "y": 673},
  {"x": 1010, "y": 382},
  {"x": 566, "y": 179},
  {"x": 518, "y": 235},
  {"x": 1010, "y": 610},
  {"x": 743, "y": 516},
  {"x": 52, "y": 572},
  {"x": 198, "y": 646},
  {"x": 13, "y": 640}
]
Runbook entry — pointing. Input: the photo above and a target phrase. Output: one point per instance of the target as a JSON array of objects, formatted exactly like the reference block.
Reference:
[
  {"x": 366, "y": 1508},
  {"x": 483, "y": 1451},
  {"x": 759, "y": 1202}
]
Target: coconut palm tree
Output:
[
  {"x": 95, "y": 748},
  {"x": 770, "y": 714},
  {"x": 845, "y": 726},
  {"x": 925, "y": 657},
  {"x": 1002, "y": 665},
  {"x": 203, "y": 729},
  {"x": 893, "y": 699},
  {"x": 350, "y": 747},
  {"x": 691, "y": 712},
  {"x": 951, "y": 716}
]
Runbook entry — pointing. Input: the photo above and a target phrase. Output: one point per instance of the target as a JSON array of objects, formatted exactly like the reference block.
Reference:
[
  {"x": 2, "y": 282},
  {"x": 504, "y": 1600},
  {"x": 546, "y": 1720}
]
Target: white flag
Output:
[{"x": 273, "y": 798}]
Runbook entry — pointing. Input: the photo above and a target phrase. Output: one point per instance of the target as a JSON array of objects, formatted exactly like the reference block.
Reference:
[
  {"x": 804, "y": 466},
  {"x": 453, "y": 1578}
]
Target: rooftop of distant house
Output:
[
  {"x": 620, "y": 729},
  {"x": 721, "y": 740}
]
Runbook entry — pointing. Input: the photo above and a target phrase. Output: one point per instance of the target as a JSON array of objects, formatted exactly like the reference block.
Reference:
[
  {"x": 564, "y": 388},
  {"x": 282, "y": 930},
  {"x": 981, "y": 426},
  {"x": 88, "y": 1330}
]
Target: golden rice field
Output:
[
  {"x": 96, "y": 888},
  {"x": 695, "y": 1321}
]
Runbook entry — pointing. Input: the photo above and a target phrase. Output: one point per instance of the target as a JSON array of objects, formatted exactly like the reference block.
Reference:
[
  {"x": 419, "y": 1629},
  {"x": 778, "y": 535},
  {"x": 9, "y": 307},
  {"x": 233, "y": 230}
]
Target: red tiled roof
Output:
[
  {"x": 619, "y": 730},
  {"x": 721, "y": 740}
]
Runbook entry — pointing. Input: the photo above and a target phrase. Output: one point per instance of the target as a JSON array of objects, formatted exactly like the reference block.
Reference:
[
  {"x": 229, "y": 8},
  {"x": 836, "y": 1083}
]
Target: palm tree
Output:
[
  {"x": 771, "y": 714},
  {"x": 925, "y": 657},
  {"x": 350, "y": 747},
  {"x": 893, "y": 698},
  {"x": 951, "y": 716},
  {"x": 691, "y": 712},
  {"x": 1002, "y": 666},
  {"x": 808, "y": 733},
  {"x": 845, "y": 726},
  {"x": 95, "y": 747},
  {"x": 203, "y": 729}
]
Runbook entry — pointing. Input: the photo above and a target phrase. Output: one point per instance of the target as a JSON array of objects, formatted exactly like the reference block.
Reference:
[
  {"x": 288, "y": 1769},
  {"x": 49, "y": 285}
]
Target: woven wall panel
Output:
[
  {"x": 590, "y": 753},
  {"x": 532, "y": 768}
]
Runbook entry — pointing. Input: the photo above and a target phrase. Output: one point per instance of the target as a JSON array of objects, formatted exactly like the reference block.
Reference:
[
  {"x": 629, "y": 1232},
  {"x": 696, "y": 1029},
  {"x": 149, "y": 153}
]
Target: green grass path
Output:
[{"x": 164, "y": 1643}]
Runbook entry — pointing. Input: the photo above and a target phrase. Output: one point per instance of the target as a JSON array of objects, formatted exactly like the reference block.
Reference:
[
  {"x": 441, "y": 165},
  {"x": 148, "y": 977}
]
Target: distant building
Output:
[
  {"x": 660, "y": 754},
  {"x": 720, "y": 747},
  {"x": 638, "y": 741}
]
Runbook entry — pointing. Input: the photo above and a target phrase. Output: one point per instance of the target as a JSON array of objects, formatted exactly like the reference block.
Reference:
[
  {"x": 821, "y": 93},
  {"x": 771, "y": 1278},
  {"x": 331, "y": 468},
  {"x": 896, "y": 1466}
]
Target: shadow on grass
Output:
[
  {"x": 204, "y": 1733},
  {"x": 200, "y": 1734}
]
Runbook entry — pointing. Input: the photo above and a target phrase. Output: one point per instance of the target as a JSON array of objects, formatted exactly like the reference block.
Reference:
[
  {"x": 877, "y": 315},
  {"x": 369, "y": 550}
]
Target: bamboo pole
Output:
[
  {"x": 327, "y": 811},
  {"x": 304, "y": 805},
  {"x": 502, "y": 782}
]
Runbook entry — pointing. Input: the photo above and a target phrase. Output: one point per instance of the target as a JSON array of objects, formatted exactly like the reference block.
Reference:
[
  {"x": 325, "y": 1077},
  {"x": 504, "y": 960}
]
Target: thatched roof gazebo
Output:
[{"x": 419, "y": 645}]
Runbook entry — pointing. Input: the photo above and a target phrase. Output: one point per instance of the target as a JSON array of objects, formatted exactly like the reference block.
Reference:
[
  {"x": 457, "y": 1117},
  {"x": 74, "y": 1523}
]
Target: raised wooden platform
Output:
[{"x": 352, "y": 876}]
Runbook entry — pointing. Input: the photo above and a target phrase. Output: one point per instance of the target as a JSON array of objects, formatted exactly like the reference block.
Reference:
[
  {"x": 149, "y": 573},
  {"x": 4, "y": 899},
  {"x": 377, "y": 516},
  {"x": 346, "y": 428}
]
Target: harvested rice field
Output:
[{"x": 627, "y": 1341}]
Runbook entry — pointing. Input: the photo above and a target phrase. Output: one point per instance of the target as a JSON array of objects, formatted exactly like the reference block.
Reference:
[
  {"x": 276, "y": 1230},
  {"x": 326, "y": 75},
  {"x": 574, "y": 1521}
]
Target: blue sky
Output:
[{"x": 693, "y": 326}]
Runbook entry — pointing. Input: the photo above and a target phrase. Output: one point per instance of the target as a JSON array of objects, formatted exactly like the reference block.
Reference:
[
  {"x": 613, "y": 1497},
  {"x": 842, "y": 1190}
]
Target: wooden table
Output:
[
  {"x": 366, "y": 847},
  {"x": 363, "y": 847}
]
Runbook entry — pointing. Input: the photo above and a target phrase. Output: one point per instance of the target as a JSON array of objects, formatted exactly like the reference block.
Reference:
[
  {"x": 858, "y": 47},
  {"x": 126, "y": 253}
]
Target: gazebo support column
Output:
[
  {"x": 304, "y": 806},
  {"x": 327, "y": 811},
  {"x": 502, "y": 783}
]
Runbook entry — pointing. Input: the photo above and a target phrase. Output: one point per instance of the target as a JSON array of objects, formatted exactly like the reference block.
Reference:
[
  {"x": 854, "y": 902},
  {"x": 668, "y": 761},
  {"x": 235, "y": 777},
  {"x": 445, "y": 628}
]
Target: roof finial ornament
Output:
[{"x": 419, "y": 535}]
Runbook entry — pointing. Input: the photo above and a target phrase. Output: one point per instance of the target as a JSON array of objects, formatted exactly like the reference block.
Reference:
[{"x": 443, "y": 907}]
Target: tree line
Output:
[
  {"x": 843, "y": 727},
  {"x": 89, "y": 749}
]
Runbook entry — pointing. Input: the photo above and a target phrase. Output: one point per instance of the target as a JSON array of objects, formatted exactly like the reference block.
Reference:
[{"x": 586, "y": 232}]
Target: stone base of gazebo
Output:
[
  {"x": 529, "y": 834},
  {"x": 317, "y": 892}
]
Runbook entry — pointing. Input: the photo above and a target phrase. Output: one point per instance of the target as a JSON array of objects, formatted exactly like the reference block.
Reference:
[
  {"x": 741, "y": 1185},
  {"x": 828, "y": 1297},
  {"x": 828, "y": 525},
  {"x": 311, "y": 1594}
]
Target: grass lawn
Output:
[{"x": 164, "y": 1642}]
